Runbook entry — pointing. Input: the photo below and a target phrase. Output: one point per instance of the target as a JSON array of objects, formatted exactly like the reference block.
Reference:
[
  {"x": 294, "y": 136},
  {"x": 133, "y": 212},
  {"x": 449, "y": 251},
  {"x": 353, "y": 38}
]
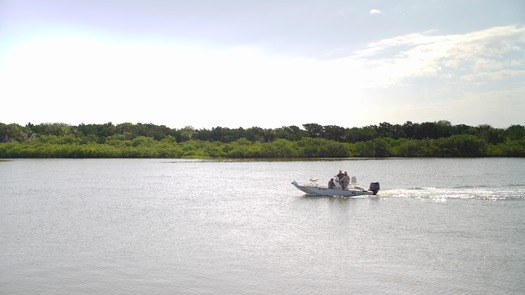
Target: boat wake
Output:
[{"x": 443, "y": 194}]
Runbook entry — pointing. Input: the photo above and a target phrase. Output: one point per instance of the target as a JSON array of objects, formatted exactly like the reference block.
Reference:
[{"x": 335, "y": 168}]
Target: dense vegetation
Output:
[{"x": 127, "y": 140}]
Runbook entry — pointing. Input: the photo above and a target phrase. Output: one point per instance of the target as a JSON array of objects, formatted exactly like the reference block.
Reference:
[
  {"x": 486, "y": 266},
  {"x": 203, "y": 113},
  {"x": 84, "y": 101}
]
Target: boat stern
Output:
[{"x": 374, "y": 187}]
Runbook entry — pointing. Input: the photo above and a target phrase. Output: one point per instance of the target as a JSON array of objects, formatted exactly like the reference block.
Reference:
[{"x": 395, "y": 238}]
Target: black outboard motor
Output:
[{"x": 374, "y": 187}]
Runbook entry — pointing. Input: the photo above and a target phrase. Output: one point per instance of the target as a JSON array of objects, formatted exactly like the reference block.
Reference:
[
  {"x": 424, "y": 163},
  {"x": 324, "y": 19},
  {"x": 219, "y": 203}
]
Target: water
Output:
[{"x": 115, "y": 226}]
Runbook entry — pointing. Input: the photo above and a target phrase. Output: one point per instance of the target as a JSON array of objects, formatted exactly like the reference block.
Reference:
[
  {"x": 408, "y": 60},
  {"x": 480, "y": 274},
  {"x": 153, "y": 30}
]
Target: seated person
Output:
[{"x": 331, "y": 183}]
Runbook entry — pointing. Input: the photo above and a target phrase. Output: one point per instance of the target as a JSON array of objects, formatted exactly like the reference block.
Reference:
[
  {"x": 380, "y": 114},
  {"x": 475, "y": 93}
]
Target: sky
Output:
[{"x": 269, "y": 64}]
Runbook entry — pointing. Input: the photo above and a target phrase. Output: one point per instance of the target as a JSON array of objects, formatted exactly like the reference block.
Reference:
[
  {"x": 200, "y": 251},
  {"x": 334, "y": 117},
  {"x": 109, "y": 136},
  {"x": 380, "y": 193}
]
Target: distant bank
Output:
[{"x": 127, "y": 140}]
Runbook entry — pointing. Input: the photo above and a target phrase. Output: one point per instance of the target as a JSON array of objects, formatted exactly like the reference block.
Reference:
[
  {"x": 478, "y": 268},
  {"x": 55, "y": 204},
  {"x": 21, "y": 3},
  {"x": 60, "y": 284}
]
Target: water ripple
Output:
[{"x": 465, "y": 192}]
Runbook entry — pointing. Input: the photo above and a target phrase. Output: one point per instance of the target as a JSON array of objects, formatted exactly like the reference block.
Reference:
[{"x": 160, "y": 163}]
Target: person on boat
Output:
[
  {"x": 338, "y": 184},
  {"x": 340, "y": 175},
  {"x": 331, "y": 183},
  {"x": 345, "y": 181}
]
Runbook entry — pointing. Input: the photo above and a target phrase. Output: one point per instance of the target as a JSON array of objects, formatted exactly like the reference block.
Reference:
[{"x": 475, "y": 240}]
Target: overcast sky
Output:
[{"x": 233, "y": 63}]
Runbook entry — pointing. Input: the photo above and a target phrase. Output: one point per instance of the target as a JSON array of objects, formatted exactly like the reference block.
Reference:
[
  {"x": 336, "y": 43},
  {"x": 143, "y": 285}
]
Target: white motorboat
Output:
[{"x": 353, "y": 189}]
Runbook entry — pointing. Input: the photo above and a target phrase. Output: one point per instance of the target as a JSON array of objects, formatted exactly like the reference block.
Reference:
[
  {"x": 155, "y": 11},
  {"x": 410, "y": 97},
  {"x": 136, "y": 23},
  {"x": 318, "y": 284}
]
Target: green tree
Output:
[
  {"x": 333, "y": 132},
  {"x": 187, "y": 133},
  {"x": 14, "y": 132},
  {"x": 292, "y": 133},
  {"x": 461, "y": 146},
  {"x": 515, "y": 132},
  {"x": 313, "y": 130},
  {"x": 280, "y": 148}
]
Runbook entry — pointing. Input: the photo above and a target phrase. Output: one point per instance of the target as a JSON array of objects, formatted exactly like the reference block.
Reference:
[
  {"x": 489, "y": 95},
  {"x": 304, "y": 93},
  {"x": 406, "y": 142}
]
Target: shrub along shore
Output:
[{"x": 127, "y": 140}]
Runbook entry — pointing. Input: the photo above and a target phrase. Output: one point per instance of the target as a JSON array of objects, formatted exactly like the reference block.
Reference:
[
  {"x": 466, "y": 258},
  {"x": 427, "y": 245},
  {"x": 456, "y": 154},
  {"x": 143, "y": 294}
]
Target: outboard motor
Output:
[{"x": 374, "y": 187}]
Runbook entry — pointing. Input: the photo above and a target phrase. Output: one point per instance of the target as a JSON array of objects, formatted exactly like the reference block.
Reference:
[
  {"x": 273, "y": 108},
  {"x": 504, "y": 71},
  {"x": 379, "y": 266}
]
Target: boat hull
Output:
[{"x": 323, "y": 191}]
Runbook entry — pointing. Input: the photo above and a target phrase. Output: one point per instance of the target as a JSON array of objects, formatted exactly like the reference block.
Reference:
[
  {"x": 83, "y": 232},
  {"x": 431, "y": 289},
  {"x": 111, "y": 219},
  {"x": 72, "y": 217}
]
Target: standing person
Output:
[
  {"x": 339, "y": 179},
  {"x": 345, "y": 181},
  {"x": 340, "y": 175}
]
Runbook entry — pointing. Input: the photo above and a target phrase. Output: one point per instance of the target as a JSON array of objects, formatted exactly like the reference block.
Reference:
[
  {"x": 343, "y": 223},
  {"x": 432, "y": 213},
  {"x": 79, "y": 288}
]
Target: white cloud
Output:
[
  {"x": 472, "y": 78},
  {"x": 375, "y": 11},
  {"x": 491, "y": 54}
]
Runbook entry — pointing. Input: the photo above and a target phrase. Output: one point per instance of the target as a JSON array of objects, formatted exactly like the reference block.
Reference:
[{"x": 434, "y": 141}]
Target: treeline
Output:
[{"x": 127, "y": 140}]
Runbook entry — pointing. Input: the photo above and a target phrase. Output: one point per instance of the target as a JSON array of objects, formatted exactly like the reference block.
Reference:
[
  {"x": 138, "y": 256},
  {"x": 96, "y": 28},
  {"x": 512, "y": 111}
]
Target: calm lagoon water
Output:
[{"x": 161, "y": 226}]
